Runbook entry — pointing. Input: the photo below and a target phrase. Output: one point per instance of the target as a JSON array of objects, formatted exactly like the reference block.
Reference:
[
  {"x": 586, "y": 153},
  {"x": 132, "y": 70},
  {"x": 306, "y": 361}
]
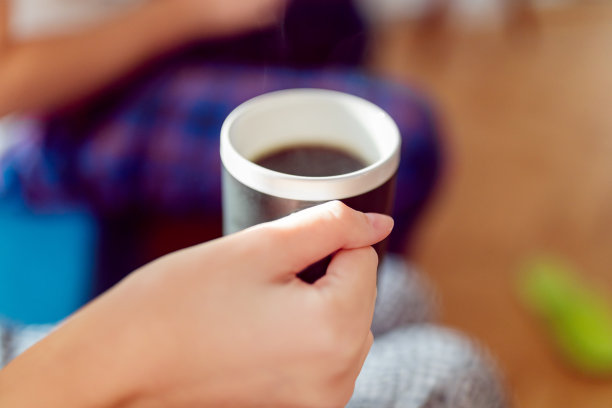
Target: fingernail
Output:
[{"x": 381, "y": 222}]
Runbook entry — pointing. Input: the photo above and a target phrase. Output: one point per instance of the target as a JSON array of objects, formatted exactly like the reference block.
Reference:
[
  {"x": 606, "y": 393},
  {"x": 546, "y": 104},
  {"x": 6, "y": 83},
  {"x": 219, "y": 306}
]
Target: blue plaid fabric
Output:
[{"x": 158, "y": 146}]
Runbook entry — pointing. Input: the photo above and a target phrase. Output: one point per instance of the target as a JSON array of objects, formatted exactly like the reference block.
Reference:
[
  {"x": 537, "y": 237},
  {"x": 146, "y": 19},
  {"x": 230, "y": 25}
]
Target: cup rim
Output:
[{"x": 302, "y": 187}]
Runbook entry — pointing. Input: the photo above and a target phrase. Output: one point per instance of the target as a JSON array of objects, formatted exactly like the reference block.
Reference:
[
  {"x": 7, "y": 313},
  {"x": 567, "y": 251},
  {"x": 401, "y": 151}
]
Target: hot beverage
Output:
[
  {"x": 320, "y": 145},
  {"x": 311, "y": 161}
]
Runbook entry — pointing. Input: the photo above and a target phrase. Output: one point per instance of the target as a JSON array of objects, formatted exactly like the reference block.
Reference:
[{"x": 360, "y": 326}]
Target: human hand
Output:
[
  {"x": 226, "y": 323},
  {"x": 211, "y": 18}
]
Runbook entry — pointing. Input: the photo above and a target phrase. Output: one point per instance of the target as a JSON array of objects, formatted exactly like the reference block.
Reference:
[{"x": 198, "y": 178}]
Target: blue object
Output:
[{"x": 46, "y": 262}]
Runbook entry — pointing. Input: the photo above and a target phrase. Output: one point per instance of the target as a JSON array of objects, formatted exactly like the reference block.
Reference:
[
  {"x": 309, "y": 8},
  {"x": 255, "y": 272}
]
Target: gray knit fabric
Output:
[
  {"x": 412, "y": 364},
  {"x": 14, "y": 339},
  {"x": 404, "y": 297},
  {"x": 424, "y": 366}
]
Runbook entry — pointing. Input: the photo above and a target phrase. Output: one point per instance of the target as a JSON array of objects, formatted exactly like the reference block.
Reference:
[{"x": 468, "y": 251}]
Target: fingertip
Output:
[
  {"x": 381, "y": 223},
  {"x": 316, "y": 232}
]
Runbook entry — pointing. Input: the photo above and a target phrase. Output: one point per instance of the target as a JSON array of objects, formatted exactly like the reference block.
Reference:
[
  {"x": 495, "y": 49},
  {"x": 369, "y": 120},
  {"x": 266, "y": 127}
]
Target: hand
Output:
[
  {"x": 226, "y": 323},
  {"x": 210, "y": 18}
]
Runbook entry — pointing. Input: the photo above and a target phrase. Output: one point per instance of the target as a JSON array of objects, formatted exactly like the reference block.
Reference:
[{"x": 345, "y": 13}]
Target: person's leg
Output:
[
  {"x": 405, "y": 296},
  {"x": 427, "y": 367}
]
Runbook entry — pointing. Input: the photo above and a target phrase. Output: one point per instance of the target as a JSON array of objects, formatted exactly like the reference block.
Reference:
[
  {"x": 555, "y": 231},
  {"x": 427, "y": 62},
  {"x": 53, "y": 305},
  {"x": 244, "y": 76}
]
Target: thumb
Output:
[{"x": 310, "y": 235}]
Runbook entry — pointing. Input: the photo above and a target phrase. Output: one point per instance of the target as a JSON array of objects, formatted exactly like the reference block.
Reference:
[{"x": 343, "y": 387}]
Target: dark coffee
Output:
[{"x": 311, "y": 161}]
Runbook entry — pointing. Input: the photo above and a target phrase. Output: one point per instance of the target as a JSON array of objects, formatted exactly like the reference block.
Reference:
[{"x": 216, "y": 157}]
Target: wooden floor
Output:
[{"x": 527, "y": 118}]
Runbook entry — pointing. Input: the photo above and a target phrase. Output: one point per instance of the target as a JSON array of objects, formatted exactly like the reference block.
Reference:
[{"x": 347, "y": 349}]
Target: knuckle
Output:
[
  {"x": 338, "y": 210},
  {"x": 345, "y": 393},
  {"x": 368, "y": 258},
  {"x": 371, "y": 255},
  {"x": 333, "y": 394},
  {"x": 370, "y": 339},
  {"x": 340, "y": 392}
]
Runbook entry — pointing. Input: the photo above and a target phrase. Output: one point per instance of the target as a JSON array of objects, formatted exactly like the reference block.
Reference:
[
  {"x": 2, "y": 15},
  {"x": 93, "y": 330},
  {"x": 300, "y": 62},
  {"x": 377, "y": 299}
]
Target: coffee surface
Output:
[{"x": 311, "y": 161}]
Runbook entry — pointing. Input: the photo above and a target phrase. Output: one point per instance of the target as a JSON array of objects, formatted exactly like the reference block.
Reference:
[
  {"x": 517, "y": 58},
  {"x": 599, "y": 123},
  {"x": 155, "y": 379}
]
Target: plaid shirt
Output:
[{"x": 157, "y": 146}]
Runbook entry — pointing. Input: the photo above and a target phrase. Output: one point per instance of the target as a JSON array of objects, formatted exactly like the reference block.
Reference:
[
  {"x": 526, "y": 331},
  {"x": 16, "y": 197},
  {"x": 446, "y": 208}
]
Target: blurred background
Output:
[
  {"x": 524, "y": 104},
  {"x": 522, "y": 92}
]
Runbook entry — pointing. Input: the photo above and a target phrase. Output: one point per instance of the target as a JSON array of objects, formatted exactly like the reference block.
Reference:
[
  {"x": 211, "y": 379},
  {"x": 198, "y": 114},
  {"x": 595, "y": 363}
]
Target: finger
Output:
[
  {"x": 309, "y": 235},
  {"x": 350, "y": 287}
]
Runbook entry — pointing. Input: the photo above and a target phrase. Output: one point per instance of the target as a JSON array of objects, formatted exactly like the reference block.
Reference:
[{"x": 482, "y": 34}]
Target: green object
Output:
[{"x": 579, "y": 317}]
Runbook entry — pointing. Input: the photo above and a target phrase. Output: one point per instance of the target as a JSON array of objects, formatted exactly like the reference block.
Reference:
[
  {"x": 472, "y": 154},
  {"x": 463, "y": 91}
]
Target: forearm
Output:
[
  {"x": 46, "y": 74},
  {"x": 81, "y": 365}
]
